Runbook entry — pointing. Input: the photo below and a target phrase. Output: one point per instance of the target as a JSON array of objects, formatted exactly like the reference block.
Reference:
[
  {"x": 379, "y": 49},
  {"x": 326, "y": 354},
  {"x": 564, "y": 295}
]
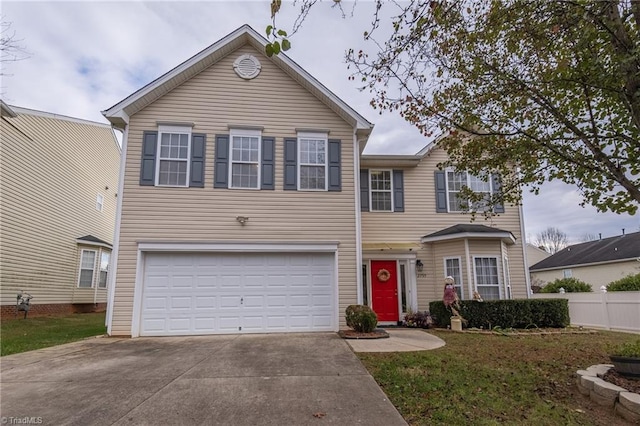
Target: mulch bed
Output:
[
  {"x": 632, "y": 385},
  {"x": 378, "y": 333}
]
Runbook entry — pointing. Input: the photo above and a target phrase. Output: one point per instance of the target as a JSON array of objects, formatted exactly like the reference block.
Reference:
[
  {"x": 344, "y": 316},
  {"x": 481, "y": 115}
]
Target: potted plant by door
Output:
[{"x": 626, "y": 359}]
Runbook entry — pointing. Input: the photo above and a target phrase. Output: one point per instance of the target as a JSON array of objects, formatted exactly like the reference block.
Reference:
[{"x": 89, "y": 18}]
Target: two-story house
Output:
[
  {"x": 245, "y": 207},
  {"x": 58, "y": 192}
]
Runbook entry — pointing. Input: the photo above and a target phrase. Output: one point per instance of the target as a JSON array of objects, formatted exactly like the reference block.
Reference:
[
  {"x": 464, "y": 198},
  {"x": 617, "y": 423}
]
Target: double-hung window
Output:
[
  {"x": 453, "y": 268},
  {"x": 487, "y": 281},
  {"x": 173, "y": 156},
  {"x": 87, "y": 268},
  {"x": 105, "y": 258},
  {"x": 312, "y": 161},
  {"x": 380, "y": 190},
  {"x": 245, "y": 158},
  {"x": 457, "y": 180}
]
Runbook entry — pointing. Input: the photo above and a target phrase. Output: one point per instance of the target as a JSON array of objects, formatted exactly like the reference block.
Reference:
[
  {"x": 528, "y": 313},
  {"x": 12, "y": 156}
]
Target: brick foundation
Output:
[{"x": 54, "y": 309}]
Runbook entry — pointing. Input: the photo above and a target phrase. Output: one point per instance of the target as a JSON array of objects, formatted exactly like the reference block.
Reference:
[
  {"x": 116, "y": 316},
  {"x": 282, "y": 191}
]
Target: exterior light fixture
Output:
[
  {"x": 242, "y": 219},
  {"x": 419, "y": 265}
]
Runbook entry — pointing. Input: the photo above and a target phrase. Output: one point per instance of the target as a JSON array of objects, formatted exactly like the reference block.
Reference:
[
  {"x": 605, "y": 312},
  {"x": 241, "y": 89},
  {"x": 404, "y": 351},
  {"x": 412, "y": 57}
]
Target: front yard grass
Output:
[
  {"x": 489, "y": 379},
  {"x": 21, "y": 335}
]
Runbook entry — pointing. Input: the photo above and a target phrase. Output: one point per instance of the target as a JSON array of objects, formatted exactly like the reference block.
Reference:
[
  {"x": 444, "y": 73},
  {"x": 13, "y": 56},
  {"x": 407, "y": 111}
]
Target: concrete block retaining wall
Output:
[{"x": 626, "y": 404}]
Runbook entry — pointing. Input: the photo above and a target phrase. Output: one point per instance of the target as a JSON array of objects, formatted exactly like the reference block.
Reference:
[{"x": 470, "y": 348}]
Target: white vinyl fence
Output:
[{"x": 616, "y": 310}]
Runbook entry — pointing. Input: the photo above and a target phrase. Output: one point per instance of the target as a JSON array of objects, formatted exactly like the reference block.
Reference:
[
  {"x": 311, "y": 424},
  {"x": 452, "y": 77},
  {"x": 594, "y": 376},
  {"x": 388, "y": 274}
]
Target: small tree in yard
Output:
[
  {"x": 552, "y": 240},
  {"x": 551, "y": 88}
]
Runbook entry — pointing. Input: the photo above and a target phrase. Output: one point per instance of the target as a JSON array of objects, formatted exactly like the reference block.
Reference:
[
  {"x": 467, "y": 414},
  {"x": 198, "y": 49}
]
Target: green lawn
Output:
[
  {"x": 21, "y": 335},
  {"x": 490, "y": 379}
]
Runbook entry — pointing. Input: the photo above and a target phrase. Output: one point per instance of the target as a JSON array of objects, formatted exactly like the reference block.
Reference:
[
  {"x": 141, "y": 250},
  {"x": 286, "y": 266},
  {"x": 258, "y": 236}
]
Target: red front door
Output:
[{"x": 385, "y": 292}]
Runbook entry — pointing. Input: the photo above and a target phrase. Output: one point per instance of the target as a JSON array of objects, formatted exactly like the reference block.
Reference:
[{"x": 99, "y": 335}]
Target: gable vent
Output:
[{"x": 247, "y": 67}]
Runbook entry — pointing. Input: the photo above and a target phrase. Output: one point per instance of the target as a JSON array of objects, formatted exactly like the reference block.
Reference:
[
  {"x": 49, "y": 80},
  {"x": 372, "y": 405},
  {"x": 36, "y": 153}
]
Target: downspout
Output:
[
  {"x": 358, "y": 215},
  {"x": 527, "y": 278},
  {"x": 113, "y": 268}
]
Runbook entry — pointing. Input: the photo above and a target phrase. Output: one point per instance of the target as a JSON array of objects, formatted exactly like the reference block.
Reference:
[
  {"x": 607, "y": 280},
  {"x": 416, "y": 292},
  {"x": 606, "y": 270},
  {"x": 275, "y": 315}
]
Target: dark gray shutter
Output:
[
  {"x": 268, "y": 163},
  {"x": 221, "y": 171},
  {"x": 335, "y": 153},
  {"x": 364, "y": 190},
  {"x": 441, "y": 192},
  {"x": 148, "y": 163},
  {"x": 198, "y": 143},
  {"x": 497, "y": 186},
  {"x": 398, "y": 191},
  {"x": 291, "y": 164}
]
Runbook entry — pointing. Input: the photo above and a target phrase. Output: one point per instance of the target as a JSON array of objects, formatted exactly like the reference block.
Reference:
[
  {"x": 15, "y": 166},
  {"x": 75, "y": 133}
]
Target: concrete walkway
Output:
[
  {"x": 285, "y": 379},
  {"x": 400, "y": 340}
]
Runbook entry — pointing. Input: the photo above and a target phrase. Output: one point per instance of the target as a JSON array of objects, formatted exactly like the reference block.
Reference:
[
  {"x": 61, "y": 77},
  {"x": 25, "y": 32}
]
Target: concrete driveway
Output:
[{"x": 292, "y": 379}]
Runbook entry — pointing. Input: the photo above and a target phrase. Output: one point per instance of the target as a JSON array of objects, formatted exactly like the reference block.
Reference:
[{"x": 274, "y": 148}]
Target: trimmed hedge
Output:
[
  {"x": 628, "y": 283},
  {"x": 570, "y": 285},
  {"x": 515, "y": 313},
  {"x": 361, "y": 318}
]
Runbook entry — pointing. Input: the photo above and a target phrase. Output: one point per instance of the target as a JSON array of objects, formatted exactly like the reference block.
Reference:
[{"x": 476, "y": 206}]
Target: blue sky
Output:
[{"x": 86, "y": 56}]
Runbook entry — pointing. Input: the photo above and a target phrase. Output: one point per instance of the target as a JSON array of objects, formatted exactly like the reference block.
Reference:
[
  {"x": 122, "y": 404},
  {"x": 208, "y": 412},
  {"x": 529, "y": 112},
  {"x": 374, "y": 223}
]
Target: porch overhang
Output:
[{"x": 469, "y": 231}]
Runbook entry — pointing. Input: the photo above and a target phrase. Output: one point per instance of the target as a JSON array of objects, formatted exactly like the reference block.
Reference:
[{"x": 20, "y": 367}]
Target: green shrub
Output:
[
  {"x": 628, "y": 283},
  {"x": 570, "y": 285},
  {"x": 361, "y": 318},
  {"x": 629, "y": 349},
  {"x": 515, "y": 313}
]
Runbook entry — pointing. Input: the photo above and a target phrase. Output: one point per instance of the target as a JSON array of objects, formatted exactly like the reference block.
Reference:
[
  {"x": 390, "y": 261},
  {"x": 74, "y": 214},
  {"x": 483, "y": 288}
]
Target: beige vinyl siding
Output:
[
  {"x": 596, "y": 275},
  {"x": 51, "y": 172},
  {"x": 213, "y": 100},
  {"x": 420, "y": 219}
]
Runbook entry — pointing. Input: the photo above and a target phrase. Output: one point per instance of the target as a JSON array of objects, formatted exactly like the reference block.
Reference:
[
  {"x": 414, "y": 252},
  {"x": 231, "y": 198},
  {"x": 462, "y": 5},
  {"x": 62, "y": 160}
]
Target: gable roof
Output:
[
  {"x": 119, "y": 114},
  {"x": 469, "y": 230},
  {"x": 91, "y": 240},
  {"x": 612, "y": 249}
]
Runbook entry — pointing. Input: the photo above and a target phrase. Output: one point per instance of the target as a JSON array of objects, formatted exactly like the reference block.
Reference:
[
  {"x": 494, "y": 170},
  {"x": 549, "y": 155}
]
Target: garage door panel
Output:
[
  {"x": 181, "y": 303},
  {"x": 229, "y": 302},
  {"x": 233, "y": 292},
  {"x": 205, "y": 302}
]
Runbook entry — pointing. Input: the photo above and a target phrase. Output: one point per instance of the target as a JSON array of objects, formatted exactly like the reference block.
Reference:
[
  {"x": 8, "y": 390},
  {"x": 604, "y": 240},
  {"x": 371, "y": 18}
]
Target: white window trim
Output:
[
  {"x": 311, "y": 135},
  {"x": 444, "y": 265},
  {"x": 446, "y": 181},
  {"x": 475, "y": 275},
  {"x": 99, "y": 202},
  {"x": 93, "y": 275},
  {"x": 390, "y": 191},
  {"x": 108, "y": 270},
  {"x": 173, "y": 129},
  {"x": 507, "y": 277},
  {"x": 567, "y": 273},
  {"x": 248, "y": 133}
]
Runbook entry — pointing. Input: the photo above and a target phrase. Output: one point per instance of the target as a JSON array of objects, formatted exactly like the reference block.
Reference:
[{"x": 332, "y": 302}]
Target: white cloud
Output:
[{"x": 87, "y": 56}]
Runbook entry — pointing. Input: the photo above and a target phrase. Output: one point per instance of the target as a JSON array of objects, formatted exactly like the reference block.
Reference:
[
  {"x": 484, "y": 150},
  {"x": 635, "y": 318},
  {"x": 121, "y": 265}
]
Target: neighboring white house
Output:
[{"x": 595, "y": 262}]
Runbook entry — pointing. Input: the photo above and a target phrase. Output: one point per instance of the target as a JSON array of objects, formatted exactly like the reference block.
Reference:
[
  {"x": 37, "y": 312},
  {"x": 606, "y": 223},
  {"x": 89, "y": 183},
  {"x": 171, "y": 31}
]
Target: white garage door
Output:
[{"x": 211, "y": 293}]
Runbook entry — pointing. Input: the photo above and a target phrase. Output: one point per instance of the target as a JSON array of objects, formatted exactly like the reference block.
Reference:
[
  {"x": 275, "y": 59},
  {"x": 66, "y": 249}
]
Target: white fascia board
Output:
[
  {"x": 389, "y": 160},
  {"x": 236, "y": 246},
  {"x": 582, "y": 265},
  {"x": 486, "y": 235},
  {"x": 6, "y": 110},
  {"x": 257, "y": 41}
]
